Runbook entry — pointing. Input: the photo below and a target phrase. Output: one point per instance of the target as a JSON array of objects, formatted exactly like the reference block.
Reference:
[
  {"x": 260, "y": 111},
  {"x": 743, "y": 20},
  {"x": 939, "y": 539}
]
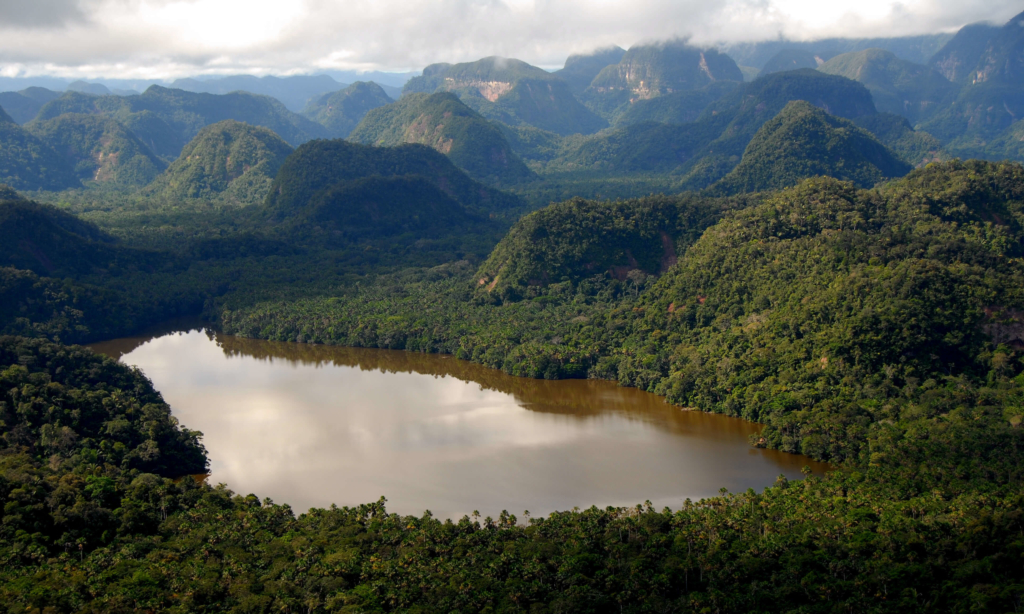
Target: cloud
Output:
[
  {"x": 40, "y": 13},
  {"x": 170, "y": 38}
]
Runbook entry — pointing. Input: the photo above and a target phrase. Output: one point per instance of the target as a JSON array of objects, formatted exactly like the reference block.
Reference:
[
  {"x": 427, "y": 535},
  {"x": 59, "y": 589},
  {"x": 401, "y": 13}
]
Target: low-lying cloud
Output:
[{"x": 170, "y": 38}]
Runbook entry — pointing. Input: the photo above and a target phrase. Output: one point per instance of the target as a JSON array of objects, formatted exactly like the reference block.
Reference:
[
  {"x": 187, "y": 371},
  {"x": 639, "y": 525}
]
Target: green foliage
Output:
[
  {"x": 789, "y": 59},
  {"x": 444, "y": 123},
  {"x": 1001, "y": 61},
  {"x": 675, "y": 108},
  {"x": 1008, "y": 145},
  {"x": 375, "y": 207},
  {"x": 85, "y": 443},
  {"x": 803, "y": 141},
  {"x": 694, "y": 155},
  {"x": 229, "y": 159},
  {"x": 320, "y": 165},
  {"x": 897, "y": 86},
  {"x": 23, "y": 106},
  {"x": 46, "y": 240},
  {"x": 895, "y": 132},
  {"x": 577, "y": 239},
  {"x": 100, "y": 149},
  {"x": 166, "y": 119},
  {"x": 977, "y": 114},
  {"x": 70, "y": 312},
  {"x": 27, "y": 163},
  {"x": 340, "y": 112}
]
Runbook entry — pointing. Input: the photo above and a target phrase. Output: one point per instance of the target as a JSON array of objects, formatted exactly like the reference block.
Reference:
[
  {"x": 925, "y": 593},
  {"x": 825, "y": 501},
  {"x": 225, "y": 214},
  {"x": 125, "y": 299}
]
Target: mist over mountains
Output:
[{"x": 678, "y": 114}]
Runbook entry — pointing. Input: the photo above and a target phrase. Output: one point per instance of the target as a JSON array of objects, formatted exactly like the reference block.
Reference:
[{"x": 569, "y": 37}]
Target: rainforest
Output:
[{"x": 817, "y": 247}]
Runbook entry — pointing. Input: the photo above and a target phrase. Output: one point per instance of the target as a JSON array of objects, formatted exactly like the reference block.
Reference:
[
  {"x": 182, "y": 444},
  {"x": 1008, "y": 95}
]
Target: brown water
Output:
[{"x": 314, "y": 425}]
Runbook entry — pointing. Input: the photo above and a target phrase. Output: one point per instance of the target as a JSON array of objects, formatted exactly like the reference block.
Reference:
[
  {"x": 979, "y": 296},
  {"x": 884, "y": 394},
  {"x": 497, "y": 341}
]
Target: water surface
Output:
[{"x": 315, "y": 425}]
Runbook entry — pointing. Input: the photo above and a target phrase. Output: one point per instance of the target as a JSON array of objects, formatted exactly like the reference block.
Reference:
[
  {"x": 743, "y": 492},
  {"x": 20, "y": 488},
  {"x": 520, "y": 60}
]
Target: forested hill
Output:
[
  {"x": 700, "y": 153},
  {"x": 229, "y": 160},
  {"x": 27, "y": 163},
  {"x": 166, "y": 119},
  {"x": 443, "y": 122},
  {"x": 23, "y": 106},
  {"x": 320, "y": 165},
  {"x": 897, "y": 86},
  {"x": 803, "y": 141},
  {"x": 340, "y": 112},
  {"x": 100, "y": 149}
]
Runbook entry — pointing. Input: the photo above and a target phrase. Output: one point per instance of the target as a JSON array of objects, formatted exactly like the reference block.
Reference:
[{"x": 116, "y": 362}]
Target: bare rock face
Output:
[
  {"x": 1003, "y": 58},
  {"x": 651, "y": 70},
  {"x": 512, "y": 92}
]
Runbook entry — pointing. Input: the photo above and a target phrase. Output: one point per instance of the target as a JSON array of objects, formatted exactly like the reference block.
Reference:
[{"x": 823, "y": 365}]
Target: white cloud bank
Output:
[{"x": 169, "y": 38}]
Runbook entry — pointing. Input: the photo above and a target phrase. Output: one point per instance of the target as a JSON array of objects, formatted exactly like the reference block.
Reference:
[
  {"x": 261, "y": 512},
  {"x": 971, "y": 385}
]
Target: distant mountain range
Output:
[{"x": 683, "y": 114}]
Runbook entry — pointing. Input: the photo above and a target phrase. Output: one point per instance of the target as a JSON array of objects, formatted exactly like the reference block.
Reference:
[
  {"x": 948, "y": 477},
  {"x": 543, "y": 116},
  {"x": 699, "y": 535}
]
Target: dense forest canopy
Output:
[{"x": 787, "y": 232}]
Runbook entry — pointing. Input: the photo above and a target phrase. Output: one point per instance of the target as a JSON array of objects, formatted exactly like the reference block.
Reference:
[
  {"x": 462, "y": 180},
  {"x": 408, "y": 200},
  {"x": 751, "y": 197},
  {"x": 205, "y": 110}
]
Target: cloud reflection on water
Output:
[{"x": 315, "y": 425}]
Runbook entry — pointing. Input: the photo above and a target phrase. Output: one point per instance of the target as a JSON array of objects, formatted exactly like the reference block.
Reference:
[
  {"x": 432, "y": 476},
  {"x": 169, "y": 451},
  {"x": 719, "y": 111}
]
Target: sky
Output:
[{"x": 164, "y": 39}]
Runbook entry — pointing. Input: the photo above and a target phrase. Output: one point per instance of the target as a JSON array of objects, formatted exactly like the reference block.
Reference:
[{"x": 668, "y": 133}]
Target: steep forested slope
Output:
[
  {"x": 320, "y": 165},
  {"x": 340, "y": 112},
  {"x": 702, "y": 152},
  {"x": 27, "y": 163},
  {"x": 675, "y": 108},
  {"x": 958, "y": 59},
  {"x": 23, "y": 106},
  {"x": 895, "y": 132},
  {"x": 443, "y": 122},
  {"x": 231, "y": 160},
  {"x": 101, "y": 149},
  {"x": 897, "y": 86},
  {"x": 802, "y": 142},
  {"x": 577, "y": 239},
  {"x": 166, "y": 119}
]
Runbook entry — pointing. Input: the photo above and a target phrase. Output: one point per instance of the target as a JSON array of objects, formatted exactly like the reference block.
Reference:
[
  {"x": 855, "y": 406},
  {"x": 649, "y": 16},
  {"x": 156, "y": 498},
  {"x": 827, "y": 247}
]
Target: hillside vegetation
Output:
[
  {"x": 229, "y": 160},
  {"x": 101, "y": 149},
  {"x": 340, "y": 112},
  {"x": 166, "y": 119},
  {"x": 27, "y": 163},
  {"x": 895, "y": 132},
  {"x": 442, "y": 122},
  {"x": 802, "y": 142},
  {"x": 897, "y": 86},
  {"x": 23, "y": 106},
  {"x": 789, "y": 59},
  {"x": 320, "y": 165}
]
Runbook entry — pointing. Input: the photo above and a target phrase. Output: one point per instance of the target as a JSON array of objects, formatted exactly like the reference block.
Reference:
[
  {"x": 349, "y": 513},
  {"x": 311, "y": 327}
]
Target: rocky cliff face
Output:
[
  {"x": 1003, "y": 58},
  {"x": 958, "y": 58},
  {"x": 651, "y": 70},
  {"x": 512, "y": 92}
]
